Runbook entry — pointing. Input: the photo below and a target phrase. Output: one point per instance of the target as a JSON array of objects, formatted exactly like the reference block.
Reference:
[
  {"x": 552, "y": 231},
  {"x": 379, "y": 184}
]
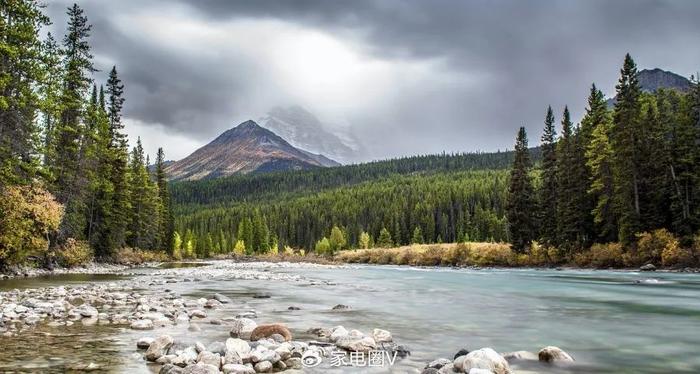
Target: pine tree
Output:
[
  {"x": 21, "y": 55},
  {"x": 521, "y": 201},
  {"x": 70, "y": 181},
  {"x": 143, "y": 226},
  {"x": 417, "y": 237},
  {"x": 681, "y": 116},
  {"x": 118, "y": 155},
  {"x": 595, "y": 130},
  {"x": 626, "y": 146},
  {"x": 654, "y": 160},
  {"x": 572, "y": 187},
  {"x": 261, "y": 233},
  {"x": 50, "y": 91},
  {"x": 337, "y": 239},
  {"x": 245, "y": 233},
  {"x": 384, "y": 240},
  {"x": 166, "y": 213},
  {"x": 547, "y": 201},
  {"x": 599, "y": 158}
]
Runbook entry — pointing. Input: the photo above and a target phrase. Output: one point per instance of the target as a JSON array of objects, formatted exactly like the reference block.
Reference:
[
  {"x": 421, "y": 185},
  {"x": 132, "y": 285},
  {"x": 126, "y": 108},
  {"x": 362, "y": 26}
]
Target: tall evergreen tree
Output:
[
  {"x": 50, "y": 92},
  {"x": 118, "y": 159},
  {"x": 166, "y": 213},
  {"x": 70, "y": 182},
  {"x": 684, "y": 118},
  {"x": 143, "y": 223},
  {"x": 572, "y": 187},
  {"x": 102, "y": 189},
  {"x": 626, "y": 146},
  {"x": 547, "y": 201},
  {"x": 599, "y": 159},
  {"x": 521, "y": 200},
  {"x": 21, "y": 57}
]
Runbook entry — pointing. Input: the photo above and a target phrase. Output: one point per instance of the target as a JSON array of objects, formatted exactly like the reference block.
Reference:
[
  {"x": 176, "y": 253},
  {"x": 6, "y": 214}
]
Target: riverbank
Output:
[{"x": 500, "y": 255}]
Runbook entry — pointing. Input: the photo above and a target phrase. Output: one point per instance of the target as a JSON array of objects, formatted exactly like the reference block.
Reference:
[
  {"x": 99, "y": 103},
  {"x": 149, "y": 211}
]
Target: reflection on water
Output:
[{"x": 611, "y": 322}]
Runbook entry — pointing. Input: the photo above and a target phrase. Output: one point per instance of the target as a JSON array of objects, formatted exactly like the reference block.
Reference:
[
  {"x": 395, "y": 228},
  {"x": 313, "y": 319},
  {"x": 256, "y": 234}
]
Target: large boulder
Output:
[
  {"x": 159, "y": 347},
  {"x": 239, "y": 346},
  {"x": 356, "y": 343},
  {"x": 209, "y": 358},
  {"x": 554, "y": 354},
  {"x": 242, "y": 328},
  {"x": 485, "y": 358},
  {"x": 382, "y": 336},
  {"x": 142, "y": 324},
  {"x": 337, "y": 333},
  {"x": 263, "y": 367}
]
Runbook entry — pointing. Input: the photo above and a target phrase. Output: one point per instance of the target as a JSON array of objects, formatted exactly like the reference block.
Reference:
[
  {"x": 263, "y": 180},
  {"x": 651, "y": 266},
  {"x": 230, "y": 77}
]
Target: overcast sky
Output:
[{"x": 409, "y": 77}]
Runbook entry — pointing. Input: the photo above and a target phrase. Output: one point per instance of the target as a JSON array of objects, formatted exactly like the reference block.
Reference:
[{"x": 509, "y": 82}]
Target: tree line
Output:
[
  {"x": 268, "y": 185},
  {"x": 396, "y": 210},
  {"x": 63, "y": 148},
  {"x": 620, "y": 172}
]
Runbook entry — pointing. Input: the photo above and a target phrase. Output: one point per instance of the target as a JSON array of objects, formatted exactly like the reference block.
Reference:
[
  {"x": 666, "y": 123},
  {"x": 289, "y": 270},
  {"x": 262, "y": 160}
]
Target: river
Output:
[{"x": 610, "y": 322}]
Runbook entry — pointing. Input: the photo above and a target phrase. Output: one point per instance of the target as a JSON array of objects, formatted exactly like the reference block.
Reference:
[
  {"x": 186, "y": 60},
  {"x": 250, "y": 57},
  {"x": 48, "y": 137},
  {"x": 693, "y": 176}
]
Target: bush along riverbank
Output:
[{"x": 658, "y": 249}]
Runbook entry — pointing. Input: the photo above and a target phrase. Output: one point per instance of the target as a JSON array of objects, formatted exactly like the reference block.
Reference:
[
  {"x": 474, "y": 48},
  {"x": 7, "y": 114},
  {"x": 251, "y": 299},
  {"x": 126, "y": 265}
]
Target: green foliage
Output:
[
  {"x": 323, "y": 246},
  {"x": 83, "y": 158},
  {"x": 417, "y": 237},
  {"x": 364, "y": 240},
  {"x": 176, "y": 250},
  {"x": 385, "y": 240},
  {"x": 337, "y": 239},
  {"x": 521, "y": 199},
  {"x": 572, "y": 211},
  {"x": 547, "y": 193},
  {"x": 468, "y": 202},
  {"x": 145, "y": 204}
]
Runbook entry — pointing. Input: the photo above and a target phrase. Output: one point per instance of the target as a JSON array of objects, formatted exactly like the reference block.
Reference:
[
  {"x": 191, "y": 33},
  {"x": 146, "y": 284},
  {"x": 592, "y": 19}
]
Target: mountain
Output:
[
  {"x": 244, "y": 149},
  {"x": 651, "y": 80},
  {"x": 304, "y": 130}
]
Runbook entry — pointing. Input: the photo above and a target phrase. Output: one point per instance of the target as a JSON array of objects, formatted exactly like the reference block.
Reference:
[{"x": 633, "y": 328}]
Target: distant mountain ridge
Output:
[
  {"x": 245, "y": 148},
  {"x": 651, "y": 80},
  {"x": 304, "y": 130}
]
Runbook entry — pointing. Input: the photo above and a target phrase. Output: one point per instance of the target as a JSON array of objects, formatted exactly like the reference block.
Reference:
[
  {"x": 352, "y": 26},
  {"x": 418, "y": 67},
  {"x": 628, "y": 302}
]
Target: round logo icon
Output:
[{"x": 310, "y": 359}]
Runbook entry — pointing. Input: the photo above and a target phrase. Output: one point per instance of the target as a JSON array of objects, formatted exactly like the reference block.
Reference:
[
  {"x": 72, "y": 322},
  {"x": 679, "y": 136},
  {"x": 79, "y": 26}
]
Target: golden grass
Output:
[{"x": 451, "y": 254}]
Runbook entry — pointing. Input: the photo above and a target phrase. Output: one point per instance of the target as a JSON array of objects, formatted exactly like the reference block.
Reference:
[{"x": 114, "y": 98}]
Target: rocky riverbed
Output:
[{"x": 148, "y": 303}]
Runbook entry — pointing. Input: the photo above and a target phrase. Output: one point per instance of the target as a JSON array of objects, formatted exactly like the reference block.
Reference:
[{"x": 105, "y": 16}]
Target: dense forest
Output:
[
  {"x": 618, "y": 175},
  {"x": 424, "y": 208},
  {"x": 269, "y": 185},
  {"x": 71, "y": 188}
]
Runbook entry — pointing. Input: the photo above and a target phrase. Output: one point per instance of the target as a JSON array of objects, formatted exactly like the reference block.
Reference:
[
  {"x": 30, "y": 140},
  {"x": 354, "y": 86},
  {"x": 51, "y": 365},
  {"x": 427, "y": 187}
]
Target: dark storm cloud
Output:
[{"x": 524, "y": 55}]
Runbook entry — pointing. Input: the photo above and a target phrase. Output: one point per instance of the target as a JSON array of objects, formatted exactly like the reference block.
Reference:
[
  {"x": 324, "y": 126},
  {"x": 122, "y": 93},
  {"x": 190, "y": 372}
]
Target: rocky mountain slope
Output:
[
  {"x": 651, "y": 80},
  {"x": 243, "y": 149}
]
